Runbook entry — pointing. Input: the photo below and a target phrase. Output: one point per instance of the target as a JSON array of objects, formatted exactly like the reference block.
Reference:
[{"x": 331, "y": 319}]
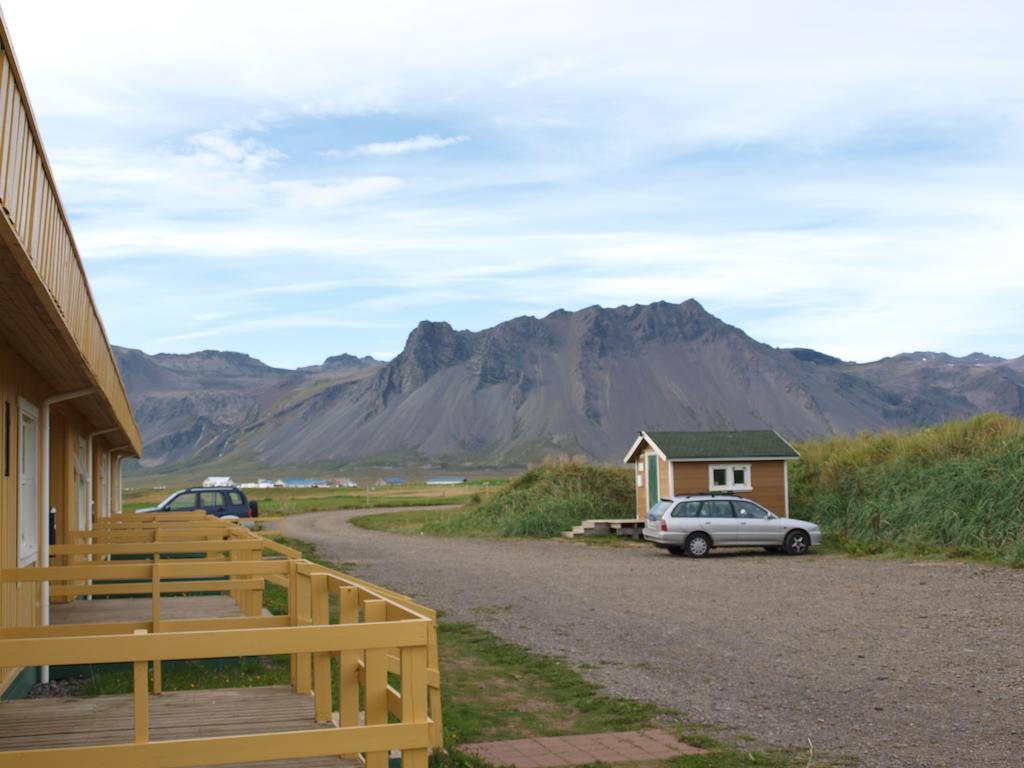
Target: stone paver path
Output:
[{"x": 548, "y": 752}]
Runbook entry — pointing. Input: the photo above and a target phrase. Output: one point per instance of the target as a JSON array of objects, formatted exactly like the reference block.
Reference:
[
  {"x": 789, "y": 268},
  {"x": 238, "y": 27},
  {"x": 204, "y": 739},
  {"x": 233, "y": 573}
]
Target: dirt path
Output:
[{"x": 900, "y": 663}]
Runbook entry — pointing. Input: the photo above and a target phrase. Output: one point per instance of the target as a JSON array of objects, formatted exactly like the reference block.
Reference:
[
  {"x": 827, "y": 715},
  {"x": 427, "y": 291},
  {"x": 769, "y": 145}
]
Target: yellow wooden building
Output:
[
  {"x": 65, "y": 422},
  {"x": 175, "y": 587}
]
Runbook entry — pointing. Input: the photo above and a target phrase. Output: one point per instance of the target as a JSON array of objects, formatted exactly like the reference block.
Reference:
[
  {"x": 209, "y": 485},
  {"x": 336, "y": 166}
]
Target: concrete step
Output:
[{"x": 629, "y": 528}]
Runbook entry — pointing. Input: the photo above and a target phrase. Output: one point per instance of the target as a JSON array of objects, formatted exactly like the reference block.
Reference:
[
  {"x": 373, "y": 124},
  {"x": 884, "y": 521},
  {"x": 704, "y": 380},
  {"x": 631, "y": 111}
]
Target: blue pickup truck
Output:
[{"x": 227, "y": 501}]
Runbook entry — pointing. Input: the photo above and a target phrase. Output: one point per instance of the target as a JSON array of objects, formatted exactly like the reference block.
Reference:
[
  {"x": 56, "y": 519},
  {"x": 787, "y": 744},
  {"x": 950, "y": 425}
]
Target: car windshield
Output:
[
  {"x": 658, "y": 510},
  {"x": 167, "y": 501}
]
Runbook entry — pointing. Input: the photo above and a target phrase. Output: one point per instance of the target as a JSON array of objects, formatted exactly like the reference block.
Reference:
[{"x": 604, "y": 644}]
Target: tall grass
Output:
[
  {"x": 546, "y": 501},
  {"x": 955, "y": 489}
]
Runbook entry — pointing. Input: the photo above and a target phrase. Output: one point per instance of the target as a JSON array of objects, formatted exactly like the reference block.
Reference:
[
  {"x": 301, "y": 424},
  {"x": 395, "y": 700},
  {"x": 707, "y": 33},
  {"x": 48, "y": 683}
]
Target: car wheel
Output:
[
  {"x": 797, "y": 543},
  {"x": 698, "y": 545},
  {"x": 675, "y": 550}
]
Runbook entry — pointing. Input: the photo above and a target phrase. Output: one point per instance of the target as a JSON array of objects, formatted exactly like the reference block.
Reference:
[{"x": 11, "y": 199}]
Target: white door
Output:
[
  {"x": 28, "y": 484},
  {"x": 754, "y": 525},
  {"x": 716, "y": 518}
]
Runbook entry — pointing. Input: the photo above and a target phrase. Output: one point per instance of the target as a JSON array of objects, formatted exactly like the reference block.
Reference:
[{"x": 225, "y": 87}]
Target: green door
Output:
[{"x": 652, "y": 480}]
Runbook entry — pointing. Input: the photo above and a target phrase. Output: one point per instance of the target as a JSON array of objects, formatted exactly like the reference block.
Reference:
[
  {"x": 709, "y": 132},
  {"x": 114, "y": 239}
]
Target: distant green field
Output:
[{"x": 288, "y": 501}]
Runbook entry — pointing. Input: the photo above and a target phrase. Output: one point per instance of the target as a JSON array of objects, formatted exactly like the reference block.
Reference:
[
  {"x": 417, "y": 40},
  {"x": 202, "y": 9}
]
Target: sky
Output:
[{"x": 298, "y": 180}]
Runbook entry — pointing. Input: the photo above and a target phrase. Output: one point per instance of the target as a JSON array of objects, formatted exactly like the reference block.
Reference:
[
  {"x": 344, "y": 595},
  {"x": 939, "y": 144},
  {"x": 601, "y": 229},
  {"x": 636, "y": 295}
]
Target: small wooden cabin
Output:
[{"x": 751, "y": 463}]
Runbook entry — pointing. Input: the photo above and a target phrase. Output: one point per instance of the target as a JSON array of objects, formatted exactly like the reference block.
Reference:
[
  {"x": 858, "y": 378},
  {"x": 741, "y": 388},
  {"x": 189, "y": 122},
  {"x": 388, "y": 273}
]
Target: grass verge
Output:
[
  {"x": 540, "y": 503},
  {"x": 953, "y": 490}
]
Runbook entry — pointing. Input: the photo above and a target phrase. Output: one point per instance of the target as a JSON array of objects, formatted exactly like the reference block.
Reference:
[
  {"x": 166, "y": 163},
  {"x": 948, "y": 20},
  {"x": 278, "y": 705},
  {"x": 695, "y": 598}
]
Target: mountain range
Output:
[{"x": 572, "y": 382}]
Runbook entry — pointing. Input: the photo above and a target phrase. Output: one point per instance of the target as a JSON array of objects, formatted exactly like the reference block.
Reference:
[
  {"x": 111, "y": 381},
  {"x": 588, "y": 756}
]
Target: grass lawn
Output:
[{"x": 414, "y": 522}]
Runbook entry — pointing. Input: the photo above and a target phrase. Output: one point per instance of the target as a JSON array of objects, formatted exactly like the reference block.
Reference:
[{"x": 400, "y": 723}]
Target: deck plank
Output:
[
  {"x": 75, "y": 721},
  {"x": 141, "y": 609}
]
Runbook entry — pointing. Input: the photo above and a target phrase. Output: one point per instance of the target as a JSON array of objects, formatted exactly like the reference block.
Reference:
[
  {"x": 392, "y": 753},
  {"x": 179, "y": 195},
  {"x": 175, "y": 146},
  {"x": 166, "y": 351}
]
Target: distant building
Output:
[
  {"x": 217, "y": 481},
  {"x": 261, "y": 483},
  {"x": 345, "y": 482},
  {"x": 302, "y": 482},
  {"x": 751, "y": 464},
  {"x": 390, "y": 481},
  {"x": 446, "y": 481}
]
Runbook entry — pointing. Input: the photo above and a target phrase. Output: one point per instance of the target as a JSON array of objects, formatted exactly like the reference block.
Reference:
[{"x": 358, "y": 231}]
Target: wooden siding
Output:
[
  {"x": 664, "y": 481},
  {"x": 19, "y": 603},
  {"x": 34, "y": 228},
  {"x": 768, "y": 479},
  {"x": 640, "y": 487}
]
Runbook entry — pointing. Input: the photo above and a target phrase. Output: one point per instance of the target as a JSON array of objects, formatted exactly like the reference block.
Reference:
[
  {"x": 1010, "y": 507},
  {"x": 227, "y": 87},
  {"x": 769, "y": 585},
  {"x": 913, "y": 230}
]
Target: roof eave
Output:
[{"x": 736, "y": 458}]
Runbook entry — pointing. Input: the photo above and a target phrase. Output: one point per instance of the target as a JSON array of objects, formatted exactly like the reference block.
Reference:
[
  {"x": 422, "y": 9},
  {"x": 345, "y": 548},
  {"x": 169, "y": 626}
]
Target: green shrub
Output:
[
  {"x": 956, "y": 488},
  {"x": 546, "y": 501}
]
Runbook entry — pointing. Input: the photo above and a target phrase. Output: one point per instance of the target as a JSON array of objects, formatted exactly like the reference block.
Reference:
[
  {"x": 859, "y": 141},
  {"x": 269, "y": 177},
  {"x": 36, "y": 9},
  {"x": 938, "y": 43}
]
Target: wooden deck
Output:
[
  {"x": 141, "y": 609},
  {"x": 67, "y": 722}
]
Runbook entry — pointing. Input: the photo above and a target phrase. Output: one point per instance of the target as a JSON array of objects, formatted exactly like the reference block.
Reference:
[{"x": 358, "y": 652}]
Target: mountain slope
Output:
[{"x": 572, "y": 382}]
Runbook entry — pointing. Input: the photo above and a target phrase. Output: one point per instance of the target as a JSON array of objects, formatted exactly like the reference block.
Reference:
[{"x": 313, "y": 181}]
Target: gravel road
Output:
[{"x": 910, "y": 664}]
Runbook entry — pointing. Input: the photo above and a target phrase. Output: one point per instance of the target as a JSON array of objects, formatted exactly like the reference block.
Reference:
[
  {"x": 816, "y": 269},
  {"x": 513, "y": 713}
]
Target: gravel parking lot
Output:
[{"x": 897, "y": 663}]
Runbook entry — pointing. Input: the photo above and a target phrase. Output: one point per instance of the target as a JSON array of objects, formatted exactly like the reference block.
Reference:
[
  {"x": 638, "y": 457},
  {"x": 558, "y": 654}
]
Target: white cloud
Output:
[
  {"x": 222, "y": 145},
  {"x": 816, "y": 162},
  {"x": 421, "y": 143},
  {"x": 307, "y": 194}
]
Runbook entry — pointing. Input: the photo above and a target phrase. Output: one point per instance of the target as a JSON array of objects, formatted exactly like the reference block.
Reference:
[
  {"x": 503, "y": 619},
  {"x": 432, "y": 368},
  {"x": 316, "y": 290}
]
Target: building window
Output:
[{"x": 729, "y": 477}]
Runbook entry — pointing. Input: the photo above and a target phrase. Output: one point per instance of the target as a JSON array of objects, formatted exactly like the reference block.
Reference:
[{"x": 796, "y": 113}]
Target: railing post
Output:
[
  {"x": 348, "y": 661},
  {"x": 321, "y": 659},
  {"x": 157, "y": 663},
  {"x": 140, "y": 694},
  {"x": 434, "y": 691},
  {"x": 293, "y": 614},
  {"x": 375, "y": 682},
  {"x": 303, "y": 681},
  {"x": 414, "y": 699},
  {"x": 236, "y": 594}
]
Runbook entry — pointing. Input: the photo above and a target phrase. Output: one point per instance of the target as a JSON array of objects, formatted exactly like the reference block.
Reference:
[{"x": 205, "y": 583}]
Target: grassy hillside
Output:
[
  {"x": 544, "y": 502},
  {"x": 955, "y": 489}
]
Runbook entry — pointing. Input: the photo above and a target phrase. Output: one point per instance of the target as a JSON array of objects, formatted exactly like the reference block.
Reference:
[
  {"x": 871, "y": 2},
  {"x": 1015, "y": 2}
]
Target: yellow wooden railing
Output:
[
  {"x": 376, "y": 633},
  {"x": 33, "y": 211}
]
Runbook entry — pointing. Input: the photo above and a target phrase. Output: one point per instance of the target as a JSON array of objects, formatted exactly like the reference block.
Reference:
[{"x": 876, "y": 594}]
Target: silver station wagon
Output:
[{"x": 694, "y": 525}]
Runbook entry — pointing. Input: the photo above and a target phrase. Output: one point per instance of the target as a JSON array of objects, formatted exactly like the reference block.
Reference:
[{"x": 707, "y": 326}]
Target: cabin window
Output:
[{"x": 729, "y": 477}]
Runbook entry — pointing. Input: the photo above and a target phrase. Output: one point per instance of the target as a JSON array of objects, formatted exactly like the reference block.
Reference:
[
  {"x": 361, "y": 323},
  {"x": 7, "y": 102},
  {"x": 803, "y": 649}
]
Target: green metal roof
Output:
[{"x": 751, "y": 444}]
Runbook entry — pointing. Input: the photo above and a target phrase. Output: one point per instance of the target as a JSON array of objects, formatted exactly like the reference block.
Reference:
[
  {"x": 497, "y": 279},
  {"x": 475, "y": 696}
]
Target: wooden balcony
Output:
[
  {"x": 194, "y": 590},
  {"x": 49, "y": 313}
]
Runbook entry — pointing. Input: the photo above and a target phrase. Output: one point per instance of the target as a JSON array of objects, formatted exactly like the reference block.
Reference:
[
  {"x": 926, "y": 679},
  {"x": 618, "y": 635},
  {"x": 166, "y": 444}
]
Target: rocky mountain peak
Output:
[
  {"x": 213, "y": 361},
  {"x": 344, "y": 362},
  {"x": 430, "y": 347}
]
